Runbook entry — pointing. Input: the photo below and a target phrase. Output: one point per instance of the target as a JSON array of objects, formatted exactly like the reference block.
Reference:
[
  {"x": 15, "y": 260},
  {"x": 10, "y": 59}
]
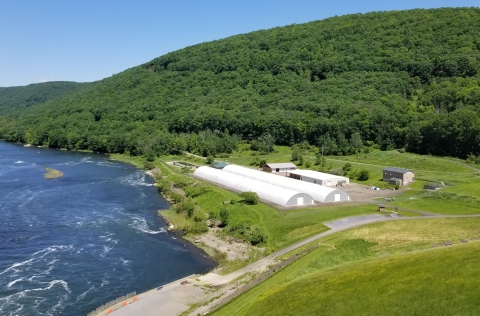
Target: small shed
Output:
[
  {"x": 401, "y": 176},
  {"x": 219, "y": 165},
  {"x": 381, "y": 207},
  {"x": 279, "y": 167}
]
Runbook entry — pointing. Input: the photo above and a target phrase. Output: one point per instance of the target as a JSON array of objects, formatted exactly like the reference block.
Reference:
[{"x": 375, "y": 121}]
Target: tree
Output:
[
  {"x": 347, "y": 167},
  {"x": 210, "y": 160},
  {"x": 364, "y": 175},
  {"x": 250, "y": 197}
]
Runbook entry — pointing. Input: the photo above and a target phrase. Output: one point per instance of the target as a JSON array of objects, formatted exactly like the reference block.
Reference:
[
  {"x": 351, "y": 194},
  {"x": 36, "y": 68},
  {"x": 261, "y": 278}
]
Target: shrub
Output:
[
  {"x": 255, "y": 162},
  {"x": 308, "y": 164},
  {"x": 194, "y": 191},
  {"x": 250, "y": 197},
  {"x": 196, "y": 228},
  {"x": 199, "y": 215},
  {"x": 210, "y": 160},
  {"x": 262, "y": 163},
  {"x": 176, "y": 197},
  {"x": 224, "y": 215},
  {"x": 148, "y": 165},
  {"x": 363, "y": 175},
  {"x": 347, "y": 167}
]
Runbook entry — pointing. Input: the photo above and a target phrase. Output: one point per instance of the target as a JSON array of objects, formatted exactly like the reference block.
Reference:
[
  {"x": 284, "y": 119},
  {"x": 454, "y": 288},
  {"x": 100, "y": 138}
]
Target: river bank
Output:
[{"x": 230, "y": 253}]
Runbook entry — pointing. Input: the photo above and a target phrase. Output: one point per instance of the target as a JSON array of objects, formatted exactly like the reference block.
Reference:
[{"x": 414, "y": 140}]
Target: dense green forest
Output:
[
  {"x": 400, "y": 79},
  {"x": 15, "y": 99}
]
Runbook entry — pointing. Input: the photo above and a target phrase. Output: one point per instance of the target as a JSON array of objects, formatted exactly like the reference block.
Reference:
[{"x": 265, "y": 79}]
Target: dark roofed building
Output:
[
  {"x": 219, "y": 165},
  {"x": 401, "y": 176}
]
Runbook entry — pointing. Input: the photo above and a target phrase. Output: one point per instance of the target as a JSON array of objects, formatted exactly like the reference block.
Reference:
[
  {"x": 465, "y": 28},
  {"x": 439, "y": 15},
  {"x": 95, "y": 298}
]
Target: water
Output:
[{"x": 71, "y": 244}]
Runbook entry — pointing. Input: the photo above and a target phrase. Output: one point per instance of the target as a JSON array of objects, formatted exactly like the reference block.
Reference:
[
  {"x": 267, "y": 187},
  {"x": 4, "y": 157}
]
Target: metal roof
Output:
[
  {"x": 316, "y": 175},
  {"x": 317, "y": 192},
  {"x": 266, "y": 191},
  {"x": 281, "y": 165},
  {"x": 219, "y": 165},
  {"x": 399, "y": 170}
]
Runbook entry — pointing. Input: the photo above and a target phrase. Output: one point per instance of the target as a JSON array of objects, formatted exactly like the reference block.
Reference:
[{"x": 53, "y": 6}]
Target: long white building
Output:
[
  {"x": 316, "y": 177},
  {"x": 318, "y": 193},
  {"x": 265, "y": 191}
]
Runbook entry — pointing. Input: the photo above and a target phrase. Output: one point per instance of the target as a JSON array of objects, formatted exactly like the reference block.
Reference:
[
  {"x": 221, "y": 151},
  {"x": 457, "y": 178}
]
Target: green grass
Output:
[
  {"x": 439, "y": 202},
  {"x": 379, "y": 269},
  {"x": 393, "y": 158}
]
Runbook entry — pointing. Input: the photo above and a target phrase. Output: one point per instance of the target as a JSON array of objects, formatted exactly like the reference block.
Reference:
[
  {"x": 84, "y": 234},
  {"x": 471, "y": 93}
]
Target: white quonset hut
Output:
[
  {"x": 317, "y": 177},
  {"x": 265, "y": 191},
  {"x": 318, "y": 193}
]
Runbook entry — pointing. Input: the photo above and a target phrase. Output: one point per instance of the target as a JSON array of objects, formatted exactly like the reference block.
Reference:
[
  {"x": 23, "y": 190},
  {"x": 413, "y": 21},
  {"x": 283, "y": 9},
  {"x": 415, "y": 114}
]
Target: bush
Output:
[
  {"x": 176, "y": 197},
  {"x": 250, "y": 197},
  {"x": 196, "y": 228},
  {"x": 224, "y": 215},
  {"x": 255, "y": 162},
  {"x": 363, "y": 175},
  {"x": 262, "y": 163},
  {"x": 194, "y": 191},
  {"x": 148, "y": 165},
  {"x": 308, "y": 164},
  {"x": 210, "y": 160},
  {"x": 254, "y": 235},
  {"x": 347, "y": 167},
  {"x": 199, "y": 215}
]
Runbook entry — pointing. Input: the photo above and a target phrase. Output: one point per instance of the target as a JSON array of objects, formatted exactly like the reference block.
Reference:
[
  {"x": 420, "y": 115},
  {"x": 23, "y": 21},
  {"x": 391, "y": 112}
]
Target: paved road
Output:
[{"x": 175, "y": 298}]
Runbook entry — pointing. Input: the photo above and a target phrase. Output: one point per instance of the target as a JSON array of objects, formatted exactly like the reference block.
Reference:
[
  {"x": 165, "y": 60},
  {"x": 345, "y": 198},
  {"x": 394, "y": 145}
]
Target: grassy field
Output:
[
  {"x": 392, "y": 268},
  {"x": 394, "y": 158}
]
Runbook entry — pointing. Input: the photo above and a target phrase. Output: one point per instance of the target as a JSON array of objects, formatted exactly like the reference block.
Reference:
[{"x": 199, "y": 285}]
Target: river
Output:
[{"x": 71, "y": 244}]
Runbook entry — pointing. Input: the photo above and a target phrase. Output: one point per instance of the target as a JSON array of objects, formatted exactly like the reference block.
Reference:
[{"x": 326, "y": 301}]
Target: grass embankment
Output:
[
  {"x": 386, "y": 268},
  {"x": 52, "y": 173}
]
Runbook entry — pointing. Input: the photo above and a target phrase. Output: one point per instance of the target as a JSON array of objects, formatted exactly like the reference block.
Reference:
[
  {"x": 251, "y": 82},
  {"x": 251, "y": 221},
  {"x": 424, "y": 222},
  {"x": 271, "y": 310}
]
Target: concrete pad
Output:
[{"x": 352, "y": 220}]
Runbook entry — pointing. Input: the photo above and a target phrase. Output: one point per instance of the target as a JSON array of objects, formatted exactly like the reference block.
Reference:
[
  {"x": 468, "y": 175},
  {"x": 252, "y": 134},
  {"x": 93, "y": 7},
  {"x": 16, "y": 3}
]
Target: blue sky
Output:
[{"x": 87, "y": 40}]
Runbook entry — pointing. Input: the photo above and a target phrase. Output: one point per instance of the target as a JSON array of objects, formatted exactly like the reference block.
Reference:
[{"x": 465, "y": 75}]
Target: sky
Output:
[{"x": 88, "y": 40}]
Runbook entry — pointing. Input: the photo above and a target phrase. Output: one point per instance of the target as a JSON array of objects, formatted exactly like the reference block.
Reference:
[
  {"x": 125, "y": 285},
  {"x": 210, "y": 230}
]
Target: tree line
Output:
[{"x": 402, "y": 79}]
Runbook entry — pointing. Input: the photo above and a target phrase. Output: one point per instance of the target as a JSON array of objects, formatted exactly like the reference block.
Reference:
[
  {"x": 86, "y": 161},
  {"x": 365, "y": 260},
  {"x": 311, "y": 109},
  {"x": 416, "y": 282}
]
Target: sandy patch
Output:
[{"x": 234, "y": 249}]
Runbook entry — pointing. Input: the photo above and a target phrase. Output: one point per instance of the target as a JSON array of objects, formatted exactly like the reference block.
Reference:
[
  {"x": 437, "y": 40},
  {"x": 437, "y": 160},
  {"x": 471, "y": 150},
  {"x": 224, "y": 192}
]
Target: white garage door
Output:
[
  {"x": 300, "y": 201},
  {"x": 337, "y": 197}
]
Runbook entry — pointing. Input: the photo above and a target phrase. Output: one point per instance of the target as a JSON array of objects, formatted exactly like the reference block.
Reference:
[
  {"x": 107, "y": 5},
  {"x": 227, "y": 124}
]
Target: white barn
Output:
[
  {"x": 265, "y": 191},
  {"x": 317, "y": 177},
  {"x": 318, "y": 193},
  {"x": 279, "y": 167}
]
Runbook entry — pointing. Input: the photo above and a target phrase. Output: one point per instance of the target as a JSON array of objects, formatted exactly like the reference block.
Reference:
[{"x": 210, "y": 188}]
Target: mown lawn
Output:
[
  {"x": 391, "y": 268},
  {"x": 394, "y": 158}
]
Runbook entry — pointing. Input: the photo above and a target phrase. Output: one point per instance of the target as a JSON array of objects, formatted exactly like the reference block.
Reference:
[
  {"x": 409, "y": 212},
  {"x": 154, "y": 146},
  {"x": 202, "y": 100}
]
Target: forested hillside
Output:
[
  {"x": 15, "y": 99},
  {"x": 388, "y": 79}
]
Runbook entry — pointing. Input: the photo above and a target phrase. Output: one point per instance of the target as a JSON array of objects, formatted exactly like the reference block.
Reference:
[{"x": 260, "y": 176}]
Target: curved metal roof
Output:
[
  {"x": 266, "y": 191},
  {"x": 317, "y": 192}
]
